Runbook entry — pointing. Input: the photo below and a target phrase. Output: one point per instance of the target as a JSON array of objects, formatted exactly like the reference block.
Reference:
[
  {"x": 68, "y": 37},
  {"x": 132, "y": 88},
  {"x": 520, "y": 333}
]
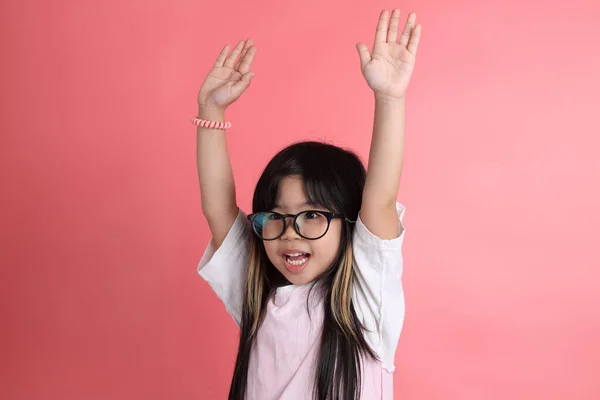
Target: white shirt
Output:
[{"x": 283, "y": 359}]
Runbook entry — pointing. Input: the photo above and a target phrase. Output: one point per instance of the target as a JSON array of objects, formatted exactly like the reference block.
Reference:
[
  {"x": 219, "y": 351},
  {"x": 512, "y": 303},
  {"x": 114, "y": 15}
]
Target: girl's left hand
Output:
[{"x": 389, "y": 68}]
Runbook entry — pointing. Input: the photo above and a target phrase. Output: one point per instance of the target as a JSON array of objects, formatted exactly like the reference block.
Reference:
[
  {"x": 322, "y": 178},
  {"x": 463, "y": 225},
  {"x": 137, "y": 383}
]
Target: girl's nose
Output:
[{"x": 289, "y": 231}]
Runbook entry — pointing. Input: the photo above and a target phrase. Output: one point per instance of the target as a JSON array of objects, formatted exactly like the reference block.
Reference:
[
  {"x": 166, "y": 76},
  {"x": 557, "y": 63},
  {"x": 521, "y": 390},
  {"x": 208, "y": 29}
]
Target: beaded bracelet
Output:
[{"x": 210, "y": 124}]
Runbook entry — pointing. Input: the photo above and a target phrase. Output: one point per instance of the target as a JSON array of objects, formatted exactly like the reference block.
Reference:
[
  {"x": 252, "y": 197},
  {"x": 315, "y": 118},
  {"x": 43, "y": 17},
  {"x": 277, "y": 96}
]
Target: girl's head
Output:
[{"x": 308, "y": 176}]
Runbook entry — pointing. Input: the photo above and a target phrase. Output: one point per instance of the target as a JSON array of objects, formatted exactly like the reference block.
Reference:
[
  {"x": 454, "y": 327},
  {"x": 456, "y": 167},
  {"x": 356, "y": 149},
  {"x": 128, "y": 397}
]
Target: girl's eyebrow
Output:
[{"x": 299, "y": 205}]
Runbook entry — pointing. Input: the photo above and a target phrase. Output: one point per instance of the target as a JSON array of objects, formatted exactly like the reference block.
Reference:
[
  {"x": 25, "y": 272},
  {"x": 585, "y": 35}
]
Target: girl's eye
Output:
[{"x": 311, "y": 215}]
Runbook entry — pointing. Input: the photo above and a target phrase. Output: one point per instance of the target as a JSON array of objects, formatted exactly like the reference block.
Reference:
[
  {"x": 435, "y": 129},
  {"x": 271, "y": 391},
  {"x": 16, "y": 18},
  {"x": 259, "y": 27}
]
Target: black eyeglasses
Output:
[{"x": 310, "y": 224}]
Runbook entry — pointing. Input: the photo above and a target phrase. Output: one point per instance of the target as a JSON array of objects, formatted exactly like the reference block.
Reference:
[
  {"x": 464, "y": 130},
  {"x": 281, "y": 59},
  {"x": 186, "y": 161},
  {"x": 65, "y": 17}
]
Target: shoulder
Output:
[{"x": 364, "y": 239}]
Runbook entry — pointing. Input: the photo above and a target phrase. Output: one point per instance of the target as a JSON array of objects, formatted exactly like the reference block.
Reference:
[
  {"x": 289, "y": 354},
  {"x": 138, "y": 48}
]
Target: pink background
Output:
[{"x": 102, "y": 228}]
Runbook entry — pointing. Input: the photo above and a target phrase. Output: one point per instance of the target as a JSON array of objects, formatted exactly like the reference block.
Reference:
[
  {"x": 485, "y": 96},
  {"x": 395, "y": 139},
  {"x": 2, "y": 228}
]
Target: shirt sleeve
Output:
[
  {"x": 225, "y": 269},
  {"x": 378, "y": 296}
]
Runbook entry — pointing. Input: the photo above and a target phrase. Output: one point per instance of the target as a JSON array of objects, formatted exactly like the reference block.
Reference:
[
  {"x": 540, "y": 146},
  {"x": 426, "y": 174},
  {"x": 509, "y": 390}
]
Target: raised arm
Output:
[
  {"x": 224, "y": 84},
  {"x": 217, "y": 186},
  {"x": 387, "y": 71}
]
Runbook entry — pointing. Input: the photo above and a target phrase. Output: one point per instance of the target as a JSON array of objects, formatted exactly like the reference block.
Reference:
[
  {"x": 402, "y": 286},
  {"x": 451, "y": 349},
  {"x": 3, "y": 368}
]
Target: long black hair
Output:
[{"x": 334, "y": 179}]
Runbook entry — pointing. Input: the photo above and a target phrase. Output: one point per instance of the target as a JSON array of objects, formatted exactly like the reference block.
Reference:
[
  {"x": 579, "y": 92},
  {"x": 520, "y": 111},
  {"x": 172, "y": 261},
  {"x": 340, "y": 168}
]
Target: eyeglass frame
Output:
[{"x": 329, "y": 215}]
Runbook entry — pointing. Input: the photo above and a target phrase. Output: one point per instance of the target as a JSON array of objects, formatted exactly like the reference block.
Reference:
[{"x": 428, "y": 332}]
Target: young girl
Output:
[{"x": 313, "y": 276}]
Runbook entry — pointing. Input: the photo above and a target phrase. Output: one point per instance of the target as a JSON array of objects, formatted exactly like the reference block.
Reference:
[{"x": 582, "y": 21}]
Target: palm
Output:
[
  {"x": 219, "y": 82},
  {"x": 228, "y": 78},
  {"x": 389, "y": 68}
]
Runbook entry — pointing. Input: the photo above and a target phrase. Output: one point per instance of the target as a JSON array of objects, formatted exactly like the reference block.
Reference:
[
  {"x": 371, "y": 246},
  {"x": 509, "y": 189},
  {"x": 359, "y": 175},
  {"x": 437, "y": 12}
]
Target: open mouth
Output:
[{"x": 296, "y": 262}]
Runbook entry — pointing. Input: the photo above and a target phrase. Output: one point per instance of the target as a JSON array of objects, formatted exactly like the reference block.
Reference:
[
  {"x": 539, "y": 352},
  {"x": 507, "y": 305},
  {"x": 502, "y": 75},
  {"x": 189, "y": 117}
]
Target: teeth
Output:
[
  {"x": 299, "y": 262},
  {"x": 294, "y": 255}
]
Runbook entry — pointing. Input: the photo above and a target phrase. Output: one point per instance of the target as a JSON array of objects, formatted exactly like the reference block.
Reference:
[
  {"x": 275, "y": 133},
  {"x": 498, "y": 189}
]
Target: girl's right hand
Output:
[{"x": 226, "y": 82}]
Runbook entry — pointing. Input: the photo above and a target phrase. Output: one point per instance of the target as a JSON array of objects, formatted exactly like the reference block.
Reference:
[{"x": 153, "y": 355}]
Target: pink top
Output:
[{"x": 283, "y": 360}]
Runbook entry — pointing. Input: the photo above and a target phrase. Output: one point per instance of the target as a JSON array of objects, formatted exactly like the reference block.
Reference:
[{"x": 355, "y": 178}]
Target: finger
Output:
[
  {"x": 363, "y": 52},
  {"x": 381, "y": 32},
  {"x": 392, "y": 33},
  {"x": 229, "y": 61},
  {"x": 240, "y": 86},
  {"x": 239, "y": 61},
  {"x": 408, "y": 27},
  {"x": 221, "y": 57},
  {"x": 246, "y": 62},
  {"x": 415, "y": 37},
  {"x": 247, "y": 45}
]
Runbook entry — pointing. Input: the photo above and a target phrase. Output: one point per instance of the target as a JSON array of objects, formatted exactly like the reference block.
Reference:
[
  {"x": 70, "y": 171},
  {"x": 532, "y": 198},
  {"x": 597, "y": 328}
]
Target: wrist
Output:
[
  {"x": 383, "y": 99},
  {"x": 211, "y": 113}
]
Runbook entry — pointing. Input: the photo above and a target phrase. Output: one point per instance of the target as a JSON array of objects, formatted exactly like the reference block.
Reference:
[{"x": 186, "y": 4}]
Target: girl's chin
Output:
[{"x": 297, "y": 279}]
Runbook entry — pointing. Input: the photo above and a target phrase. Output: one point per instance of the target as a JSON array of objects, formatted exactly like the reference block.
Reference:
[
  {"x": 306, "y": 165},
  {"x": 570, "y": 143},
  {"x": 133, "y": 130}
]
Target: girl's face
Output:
[{"x": 291, "y": 199}]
